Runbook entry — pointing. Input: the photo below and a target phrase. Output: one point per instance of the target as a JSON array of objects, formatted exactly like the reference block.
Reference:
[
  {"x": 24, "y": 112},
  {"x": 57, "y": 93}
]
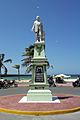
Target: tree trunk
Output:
[
  {"x": 18, "y": 74},
  {"x": 5, "y": 69},
  {"x": 0, "y": 70}
]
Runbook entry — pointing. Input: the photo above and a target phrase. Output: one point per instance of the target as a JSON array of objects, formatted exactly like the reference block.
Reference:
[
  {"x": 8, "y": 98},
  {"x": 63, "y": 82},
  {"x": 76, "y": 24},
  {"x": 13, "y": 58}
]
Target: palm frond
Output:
[
  {"x": 25, "y": 64},
  {"x": 2, "y": 56},
  {"x": 8, "y": 60},
  {"x": 16, "y": 66},
  {"x": 28, "y": 54},
  {"x": 26, "y": 59},
  {"x": 5, "y": 69},
  {"x": 29, "y": 68}
]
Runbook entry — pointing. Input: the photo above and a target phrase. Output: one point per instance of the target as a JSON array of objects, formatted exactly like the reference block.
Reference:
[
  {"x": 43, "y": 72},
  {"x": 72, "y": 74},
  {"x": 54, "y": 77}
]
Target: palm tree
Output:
[
  {"x": 18, "y": 68},
  {"x": 29, "y": 53},
  {"x": 2, "y": 56}
]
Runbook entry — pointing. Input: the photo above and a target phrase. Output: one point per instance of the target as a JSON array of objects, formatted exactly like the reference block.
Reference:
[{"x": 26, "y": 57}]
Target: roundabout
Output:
[{"x": 68, "y": 103}]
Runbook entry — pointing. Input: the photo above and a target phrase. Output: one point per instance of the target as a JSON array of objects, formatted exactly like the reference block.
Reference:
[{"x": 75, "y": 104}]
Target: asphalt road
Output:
[
  {"x": 70, "y": 116},
  {"x": 23, "y": 90}
]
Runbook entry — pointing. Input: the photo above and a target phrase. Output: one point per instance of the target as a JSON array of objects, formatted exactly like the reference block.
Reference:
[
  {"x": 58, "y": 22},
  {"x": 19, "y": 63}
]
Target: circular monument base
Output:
[{"x": 68, "y": 103}]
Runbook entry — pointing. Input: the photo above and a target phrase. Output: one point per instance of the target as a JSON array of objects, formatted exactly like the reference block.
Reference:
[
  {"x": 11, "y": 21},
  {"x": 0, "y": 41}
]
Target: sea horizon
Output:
[{"x": 28, "y": 76}]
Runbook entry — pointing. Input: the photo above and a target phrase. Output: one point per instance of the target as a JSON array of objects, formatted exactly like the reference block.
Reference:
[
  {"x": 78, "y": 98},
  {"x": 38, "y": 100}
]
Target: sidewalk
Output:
[{"x": 64, "y": 84}]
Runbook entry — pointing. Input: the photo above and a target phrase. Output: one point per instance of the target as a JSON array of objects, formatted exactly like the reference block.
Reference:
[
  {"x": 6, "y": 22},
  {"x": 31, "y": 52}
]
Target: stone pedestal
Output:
[
  {"x": 39, "y": 66},
  {"x": 39, "y": 95},
  {"x": 39, "y": 88}
]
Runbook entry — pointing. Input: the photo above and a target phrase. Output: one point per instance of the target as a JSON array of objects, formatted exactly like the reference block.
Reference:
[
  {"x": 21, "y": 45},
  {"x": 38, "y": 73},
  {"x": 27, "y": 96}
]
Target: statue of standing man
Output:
[{"x": 38, "y": 29}]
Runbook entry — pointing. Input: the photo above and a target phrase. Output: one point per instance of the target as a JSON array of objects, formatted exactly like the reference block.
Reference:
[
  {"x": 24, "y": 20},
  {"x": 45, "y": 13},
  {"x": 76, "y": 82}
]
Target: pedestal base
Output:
[
  {"x": 39, "y": 86},
  {"x": 39, "y": 95}
]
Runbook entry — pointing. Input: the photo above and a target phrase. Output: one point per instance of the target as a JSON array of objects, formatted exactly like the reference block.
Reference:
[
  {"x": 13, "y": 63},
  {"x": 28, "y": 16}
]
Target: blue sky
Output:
[{"x": 61, "y": 21}]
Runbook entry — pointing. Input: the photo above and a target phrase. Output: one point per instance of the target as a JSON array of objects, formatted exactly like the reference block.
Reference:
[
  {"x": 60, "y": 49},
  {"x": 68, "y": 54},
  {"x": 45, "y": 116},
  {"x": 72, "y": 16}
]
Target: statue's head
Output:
[{"x": 37, "y": 18}]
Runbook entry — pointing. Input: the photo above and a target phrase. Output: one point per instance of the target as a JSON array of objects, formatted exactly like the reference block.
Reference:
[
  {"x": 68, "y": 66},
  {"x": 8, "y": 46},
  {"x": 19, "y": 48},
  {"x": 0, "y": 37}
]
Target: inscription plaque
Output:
[{"x": 39, "y": 74}]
